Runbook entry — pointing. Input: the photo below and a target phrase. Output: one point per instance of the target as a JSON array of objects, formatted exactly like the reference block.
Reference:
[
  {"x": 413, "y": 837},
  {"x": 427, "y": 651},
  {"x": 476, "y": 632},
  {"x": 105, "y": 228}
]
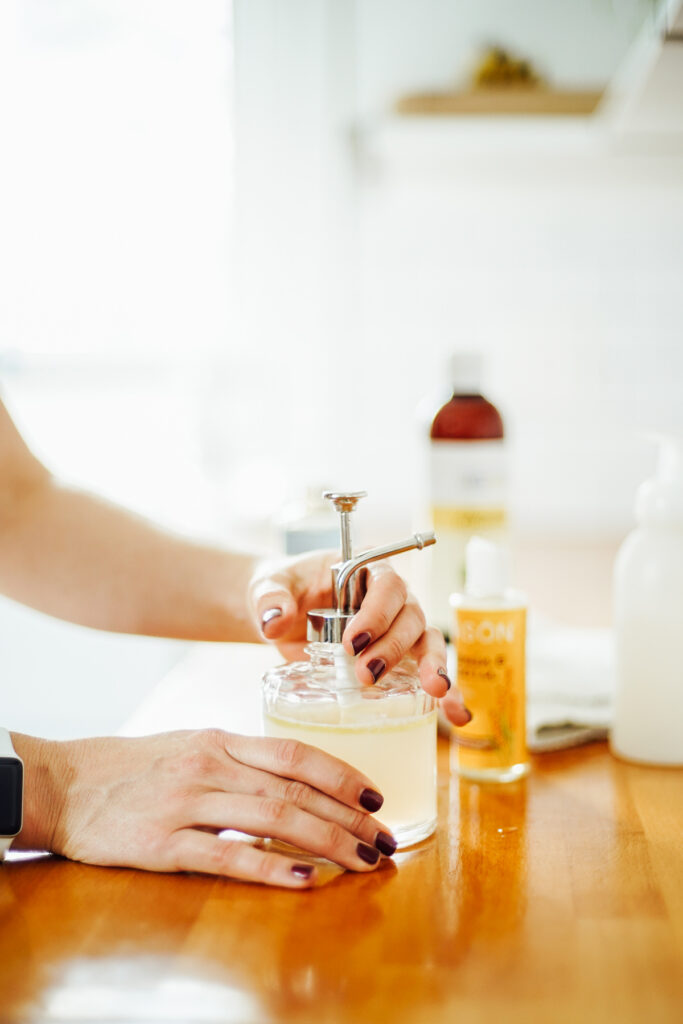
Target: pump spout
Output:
[
  {"x": 327, "y": 625},
  {"x": 343, "y": 576}
]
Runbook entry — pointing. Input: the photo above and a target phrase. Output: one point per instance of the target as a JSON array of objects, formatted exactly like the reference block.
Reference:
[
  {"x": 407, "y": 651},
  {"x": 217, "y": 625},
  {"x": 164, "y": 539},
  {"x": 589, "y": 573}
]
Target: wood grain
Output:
[{"x": 558, "y": 898}]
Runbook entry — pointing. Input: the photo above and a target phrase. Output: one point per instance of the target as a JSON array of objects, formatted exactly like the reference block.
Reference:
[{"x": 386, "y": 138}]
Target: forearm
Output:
[{"x": 80, "y": 558}]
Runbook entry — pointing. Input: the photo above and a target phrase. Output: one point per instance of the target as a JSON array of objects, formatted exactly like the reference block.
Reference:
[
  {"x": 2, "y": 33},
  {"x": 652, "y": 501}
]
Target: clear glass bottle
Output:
[{"x": 387, "y": 731}]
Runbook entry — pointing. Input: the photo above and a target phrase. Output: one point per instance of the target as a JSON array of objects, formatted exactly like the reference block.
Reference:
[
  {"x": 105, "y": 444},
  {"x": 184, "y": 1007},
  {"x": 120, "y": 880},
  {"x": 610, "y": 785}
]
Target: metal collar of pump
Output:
[{"x": 327, "y": 625}]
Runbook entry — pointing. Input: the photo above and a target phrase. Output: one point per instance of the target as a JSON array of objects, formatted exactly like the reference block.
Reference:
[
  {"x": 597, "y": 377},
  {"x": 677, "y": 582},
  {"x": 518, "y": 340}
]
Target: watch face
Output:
[{"x": 11, "y": 781}]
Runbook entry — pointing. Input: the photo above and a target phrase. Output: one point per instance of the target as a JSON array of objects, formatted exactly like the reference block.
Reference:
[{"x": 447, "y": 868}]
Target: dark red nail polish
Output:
[
  {"x": 360, "y": 642},
  {"x": 371, "y": 800},
  {"x": 367, "y": 853},
  {"x": 469, "y": 715},
  {"x": 386, "y": 844},
  {"x": 302, "y": 870},
  {"x": 377, "y": 666},
  {"x": 444, "y": 675}
]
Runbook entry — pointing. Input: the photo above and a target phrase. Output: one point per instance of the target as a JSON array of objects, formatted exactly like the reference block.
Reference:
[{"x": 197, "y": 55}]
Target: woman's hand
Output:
[
  {"x": 159, "y": 802},
  {"x": 388, "y": 625}
]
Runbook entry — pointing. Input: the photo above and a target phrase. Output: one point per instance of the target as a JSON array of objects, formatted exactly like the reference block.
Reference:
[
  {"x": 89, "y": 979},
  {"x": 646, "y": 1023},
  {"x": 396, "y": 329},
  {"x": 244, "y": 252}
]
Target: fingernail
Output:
[
  {"x": 468, "y": 713},
  {"x": 377, "y": 666},
  {"x": 371, "y": 800},
  {"x": 302, "y": 870},
  {"x": 367, "y": 853},
  {"x": 386, "y": 844},
  {"x": 272, "y": 613},
  {"x": 444, "y": 675},
  {"x": 360, "y": 642}
]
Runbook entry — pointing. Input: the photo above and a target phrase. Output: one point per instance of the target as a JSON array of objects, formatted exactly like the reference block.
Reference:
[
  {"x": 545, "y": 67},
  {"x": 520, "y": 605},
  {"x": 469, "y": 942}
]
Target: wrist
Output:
[
  {"x": 238, "y": 616},
  {"x": 46, "y": 777}
]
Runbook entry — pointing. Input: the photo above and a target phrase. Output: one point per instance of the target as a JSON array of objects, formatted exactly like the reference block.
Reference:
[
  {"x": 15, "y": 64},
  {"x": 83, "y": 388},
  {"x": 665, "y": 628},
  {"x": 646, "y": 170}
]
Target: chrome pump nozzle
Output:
[{"x": 328, "y": 624}]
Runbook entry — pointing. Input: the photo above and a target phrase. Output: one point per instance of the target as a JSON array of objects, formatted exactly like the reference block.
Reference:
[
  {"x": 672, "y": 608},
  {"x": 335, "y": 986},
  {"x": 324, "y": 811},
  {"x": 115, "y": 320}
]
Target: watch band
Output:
[{"x": 7, "y": 750}]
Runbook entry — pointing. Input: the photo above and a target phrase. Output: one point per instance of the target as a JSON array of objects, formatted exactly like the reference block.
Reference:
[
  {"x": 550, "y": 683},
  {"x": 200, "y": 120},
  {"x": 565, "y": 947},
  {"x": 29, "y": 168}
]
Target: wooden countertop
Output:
[{"x": 558, "y": 898}]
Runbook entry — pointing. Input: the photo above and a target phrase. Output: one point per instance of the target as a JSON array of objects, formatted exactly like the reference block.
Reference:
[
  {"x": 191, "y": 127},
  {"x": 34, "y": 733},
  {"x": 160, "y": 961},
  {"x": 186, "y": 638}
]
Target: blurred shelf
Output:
[{"x": 514, "y": 101}]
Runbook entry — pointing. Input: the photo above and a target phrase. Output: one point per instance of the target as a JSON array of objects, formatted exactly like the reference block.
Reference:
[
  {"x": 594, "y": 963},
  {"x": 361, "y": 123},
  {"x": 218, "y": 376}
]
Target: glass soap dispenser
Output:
[{"x": 387, "y": 730}]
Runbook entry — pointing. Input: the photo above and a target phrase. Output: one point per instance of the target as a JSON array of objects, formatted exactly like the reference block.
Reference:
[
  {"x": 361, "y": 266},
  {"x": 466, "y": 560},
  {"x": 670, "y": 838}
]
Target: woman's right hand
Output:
[{"x": 159, "y": 802}]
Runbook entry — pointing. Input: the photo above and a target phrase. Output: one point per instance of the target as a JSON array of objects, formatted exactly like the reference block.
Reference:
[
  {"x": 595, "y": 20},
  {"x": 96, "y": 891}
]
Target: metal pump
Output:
[{"x": 327, "y": 625}]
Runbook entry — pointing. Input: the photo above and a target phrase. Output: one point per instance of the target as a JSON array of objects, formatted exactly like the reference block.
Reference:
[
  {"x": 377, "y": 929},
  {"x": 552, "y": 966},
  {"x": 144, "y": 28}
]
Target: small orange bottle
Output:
[{"x": 490, "y": 637}]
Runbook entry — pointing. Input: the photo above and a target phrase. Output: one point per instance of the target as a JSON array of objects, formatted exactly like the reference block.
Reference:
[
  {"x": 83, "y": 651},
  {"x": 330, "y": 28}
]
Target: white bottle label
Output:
[{"x": 467, "y": 484}]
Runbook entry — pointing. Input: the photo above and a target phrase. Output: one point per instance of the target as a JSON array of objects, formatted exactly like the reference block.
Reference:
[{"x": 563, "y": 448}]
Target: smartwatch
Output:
[{"x": 11, "y": 793}]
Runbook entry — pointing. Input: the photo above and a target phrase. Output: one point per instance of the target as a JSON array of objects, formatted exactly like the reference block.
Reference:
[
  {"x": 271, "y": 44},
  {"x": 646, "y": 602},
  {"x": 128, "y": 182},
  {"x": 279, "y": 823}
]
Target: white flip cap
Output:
[{"x": 486, "y": 568}]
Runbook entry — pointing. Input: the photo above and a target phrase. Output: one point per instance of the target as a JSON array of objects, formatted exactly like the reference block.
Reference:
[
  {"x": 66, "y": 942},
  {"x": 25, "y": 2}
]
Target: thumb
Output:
[{"x": 274, "y": 606}]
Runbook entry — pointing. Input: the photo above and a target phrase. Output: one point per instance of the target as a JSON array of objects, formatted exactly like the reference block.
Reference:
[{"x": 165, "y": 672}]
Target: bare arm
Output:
[{"x": 80, "y": 558}]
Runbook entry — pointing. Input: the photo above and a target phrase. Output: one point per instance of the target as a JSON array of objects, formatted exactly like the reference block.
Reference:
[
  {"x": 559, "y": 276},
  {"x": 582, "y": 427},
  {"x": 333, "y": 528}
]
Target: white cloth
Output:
[{"x": 570, "y": 685}]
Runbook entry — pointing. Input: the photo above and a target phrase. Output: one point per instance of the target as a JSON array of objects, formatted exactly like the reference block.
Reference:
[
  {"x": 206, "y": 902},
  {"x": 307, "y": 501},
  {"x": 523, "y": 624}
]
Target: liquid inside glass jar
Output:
[{"x": 387, "y": 731}]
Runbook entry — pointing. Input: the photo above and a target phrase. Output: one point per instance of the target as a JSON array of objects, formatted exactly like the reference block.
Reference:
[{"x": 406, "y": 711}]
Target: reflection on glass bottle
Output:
[{"x": 387, "y": 731}]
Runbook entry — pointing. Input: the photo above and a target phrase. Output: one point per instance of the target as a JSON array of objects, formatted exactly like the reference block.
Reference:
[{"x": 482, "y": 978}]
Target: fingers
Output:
[
  {"x": 271, "y": 817},
  {"x": 385, "y": 597},
  {"x": 201, "y": 851},
  {"x": 454, "y": 709},
  {"x": 252, "y": 781},
  {"x": 430, "y": 651},
  {"x": 293, "y": 760},
  {"x": 274, "y": 605},
  {"x": 391, "y": 646}
]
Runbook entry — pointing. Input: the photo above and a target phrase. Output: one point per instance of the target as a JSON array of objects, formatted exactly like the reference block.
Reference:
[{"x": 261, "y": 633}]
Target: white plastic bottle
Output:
[{"x": 648, "y": 611}]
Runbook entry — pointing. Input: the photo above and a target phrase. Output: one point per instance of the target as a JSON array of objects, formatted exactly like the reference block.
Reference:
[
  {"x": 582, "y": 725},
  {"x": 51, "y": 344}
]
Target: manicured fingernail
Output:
[
  {"x": 360, "y": 642},
  {"x": 377, "y": 666},
  {"x": 468, "y": 713},
  {"x": 444, "y": 675},
  {"x": 386, "y": 844},
  {"x": 303, "y": 870},
  {"x": 367, "y": 853},
  {"x": 371, "y": 800},
  {"x": 272, "y": 613}
]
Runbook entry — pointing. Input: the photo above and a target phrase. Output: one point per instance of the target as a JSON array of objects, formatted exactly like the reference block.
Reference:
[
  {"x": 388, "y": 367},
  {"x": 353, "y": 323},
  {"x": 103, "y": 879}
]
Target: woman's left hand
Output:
[{"x": 388, "y": 625}]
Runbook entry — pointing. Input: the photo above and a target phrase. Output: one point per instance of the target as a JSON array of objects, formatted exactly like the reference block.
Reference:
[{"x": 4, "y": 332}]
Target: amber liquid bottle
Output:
[{"x": 467, "y": 482}]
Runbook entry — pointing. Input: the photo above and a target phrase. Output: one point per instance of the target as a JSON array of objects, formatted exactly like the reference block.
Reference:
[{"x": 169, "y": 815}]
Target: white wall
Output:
[
  {"x": 551, "y": 244},
  {"x": 546, "y": 243},
  {"x": 560, "y": 258}
]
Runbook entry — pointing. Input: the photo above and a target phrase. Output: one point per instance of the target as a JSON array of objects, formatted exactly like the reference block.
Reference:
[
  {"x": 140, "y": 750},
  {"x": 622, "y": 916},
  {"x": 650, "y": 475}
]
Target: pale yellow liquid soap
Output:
[{"x": 386, "y": 731}]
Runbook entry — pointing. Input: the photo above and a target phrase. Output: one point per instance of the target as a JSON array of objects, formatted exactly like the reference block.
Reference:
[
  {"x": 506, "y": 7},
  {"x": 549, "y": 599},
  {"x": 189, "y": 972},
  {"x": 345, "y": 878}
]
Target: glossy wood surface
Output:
[{"x": 558, "y": 898}]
